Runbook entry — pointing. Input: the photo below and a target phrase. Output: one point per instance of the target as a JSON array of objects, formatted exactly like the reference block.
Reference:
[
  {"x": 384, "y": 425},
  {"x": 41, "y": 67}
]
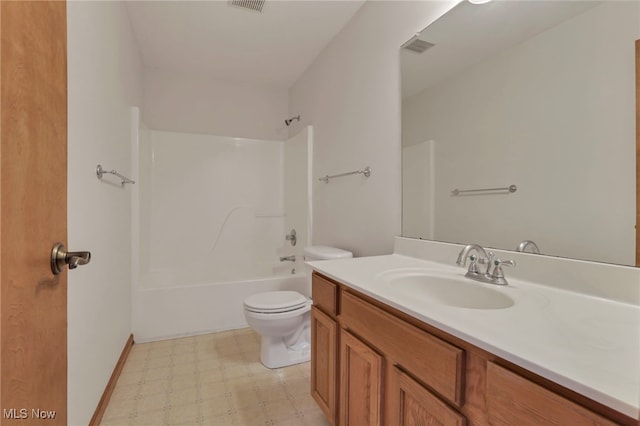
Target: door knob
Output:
[{"x": 61, "y": 257}]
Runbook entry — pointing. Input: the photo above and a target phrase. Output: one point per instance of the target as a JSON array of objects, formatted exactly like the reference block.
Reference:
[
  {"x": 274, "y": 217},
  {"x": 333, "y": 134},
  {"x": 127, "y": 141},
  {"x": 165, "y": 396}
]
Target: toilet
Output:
[{"x": 282, "y": 318}]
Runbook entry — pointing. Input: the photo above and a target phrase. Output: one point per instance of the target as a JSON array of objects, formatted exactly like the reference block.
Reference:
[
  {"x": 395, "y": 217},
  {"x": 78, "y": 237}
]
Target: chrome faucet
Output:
[
  {"x": 483, "y": 257},
  {"x": 464, "y": 255},
  {"x": 291, "y": 258},
  {"x": 528, "y": 243},
  {"x": 488, "y": 276}
]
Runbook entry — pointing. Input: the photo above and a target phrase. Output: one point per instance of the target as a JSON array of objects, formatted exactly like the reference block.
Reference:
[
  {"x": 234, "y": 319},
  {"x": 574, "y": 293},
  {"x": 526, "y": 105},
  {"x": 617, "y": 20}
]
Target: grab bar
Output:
[
  {"x": 100, "y": 171},
  {"x": 511, "y": 189},
  {"x": 366, "y": 172}
]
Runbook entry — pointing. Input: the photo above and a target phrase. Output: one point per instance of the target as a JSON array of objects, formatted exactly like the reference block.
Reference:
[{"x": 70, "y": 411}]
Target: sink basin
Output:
[{"x": 445, "y": 289}]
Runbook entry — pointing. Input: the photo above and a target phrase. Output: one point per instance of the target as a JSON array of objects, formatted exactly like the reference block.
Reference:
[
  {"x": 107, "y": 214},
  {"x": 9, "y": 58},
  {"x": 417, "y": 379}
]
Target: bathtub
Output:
[{"x": 165, "y": 311}]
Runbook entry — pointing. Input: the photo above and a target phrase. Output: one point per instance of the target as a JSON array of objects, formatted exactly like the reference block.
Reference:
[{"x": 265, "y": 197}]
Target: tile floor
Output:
[{"x": 212, "y": 379}]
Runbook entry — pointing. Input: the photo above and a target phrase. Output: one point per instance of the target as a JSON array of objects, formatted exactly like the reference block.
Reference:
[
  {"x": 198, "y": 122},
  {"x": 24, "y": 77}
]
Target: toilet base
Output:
[{"x": 275, "y": 354}]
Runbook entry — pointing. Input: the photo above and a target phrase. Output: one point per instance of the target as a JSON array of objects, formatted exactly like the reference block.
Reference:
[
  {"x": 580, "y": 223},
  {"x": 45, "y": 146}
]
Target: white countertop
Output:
[{"x": 585, "y": 343}]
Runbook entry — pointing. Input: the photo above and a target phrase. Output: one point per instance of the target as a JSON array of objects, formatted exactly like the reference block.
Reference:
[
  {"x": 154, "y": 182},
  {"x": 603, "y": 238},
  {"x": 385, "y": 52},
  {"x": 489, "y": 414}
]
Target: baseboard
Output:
[
  {"x": 190, "y": 334},
  {"x": 106, "y": 396}
]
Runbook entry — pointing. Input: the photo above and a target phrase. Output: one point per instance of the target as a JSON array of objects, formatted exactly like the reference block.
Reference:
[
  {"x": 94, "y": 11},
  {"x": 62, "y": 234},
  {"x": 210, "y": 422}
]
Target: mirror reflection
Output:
[{"x": 539, "y": 95}]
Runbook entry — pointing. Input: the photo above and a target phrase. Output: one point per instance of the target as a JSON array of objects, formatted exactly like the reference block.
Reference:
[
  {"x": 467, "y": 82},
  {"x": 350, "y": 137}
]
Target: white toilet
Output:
[{"x": 282, "y": 318}]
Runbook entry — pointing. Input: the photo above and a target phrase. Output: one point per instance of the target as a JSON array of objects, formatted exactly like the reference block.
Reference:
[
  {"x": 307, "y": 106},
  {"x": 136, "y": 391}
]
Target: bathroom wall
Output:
[
  {"x": 351, "y": 95},
  {"x": 562, "y": 160},
  {"x": 196, "y": 104},
  {"x": 418, "y": 188},
  {"x": 104, "y": 80}
]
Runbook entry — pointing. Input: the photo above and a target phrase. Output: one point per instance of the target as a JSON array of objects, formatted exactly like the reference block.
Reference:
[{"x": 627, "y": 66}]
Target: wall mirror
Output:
[{"x": 540, "y": 95}]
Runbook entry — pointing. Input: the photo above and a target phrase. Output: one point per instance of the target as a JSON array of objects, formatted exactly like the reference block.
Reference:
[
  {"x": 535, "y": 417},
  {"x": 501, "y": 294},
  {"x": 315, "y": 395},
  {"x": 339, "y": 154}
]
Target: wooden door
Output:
[
  {"x": 323, "y": 362},
  {"x": 416, "y": 406},
  {"x": 637, "y": 152},
  {"x": 33, "y": 212},
  {"x": 360, "y": 383}
]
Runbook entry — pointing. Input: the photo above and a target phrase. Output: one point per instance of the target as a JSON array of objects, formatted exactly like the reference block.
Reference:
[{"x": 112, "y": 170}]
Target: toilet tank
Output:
[
  {"x": 325, "y": 253},
  {"x": 322, "y": 253}
]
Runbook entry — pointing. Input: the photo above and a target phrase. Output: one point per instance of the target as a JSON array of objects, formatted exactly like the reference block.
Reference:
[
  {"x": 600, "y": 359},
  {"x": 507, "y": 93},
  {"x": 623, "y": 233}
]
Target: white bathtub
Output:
[{"x": 171, "y": 311}]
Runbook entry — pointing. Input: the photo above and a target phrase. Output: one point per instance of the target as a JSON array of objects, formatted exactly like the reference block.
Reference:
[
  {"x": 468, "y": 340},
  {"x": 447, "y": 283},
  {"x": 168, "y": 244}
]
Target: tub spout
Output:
[{"x": 291, "y": 258}]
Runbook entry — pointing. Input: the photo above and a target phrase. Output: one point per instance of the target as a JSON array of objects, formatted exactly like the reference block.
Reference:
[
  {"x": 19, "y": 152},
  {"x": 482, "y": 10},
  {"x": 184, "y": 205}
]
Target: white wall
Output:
[
  {"x": 418, "y": 187},
  {"x": 193, "y": 104},
  {"x": 554, "y": 116},
  {"x": 351, "y": 96},
  {"x": 104, "y": 72}
]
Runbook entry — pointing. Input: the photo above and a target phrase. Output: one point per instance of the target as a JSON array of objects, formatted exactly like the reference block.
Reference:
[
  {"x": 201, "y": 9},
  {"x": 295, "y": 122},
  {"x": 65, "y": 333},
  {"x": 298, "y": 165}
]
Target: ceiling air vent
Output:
[
  {"x": 255, "y": 5},
  {"x": 416, "y": 45}
]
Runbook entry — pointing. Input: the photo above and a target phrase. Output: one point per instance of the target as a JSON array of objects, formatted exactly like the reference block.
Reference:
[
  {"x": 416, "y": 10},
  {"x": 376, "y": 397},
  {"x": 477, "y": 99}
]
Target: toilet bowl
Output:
[{"x": 282, "y": 318}]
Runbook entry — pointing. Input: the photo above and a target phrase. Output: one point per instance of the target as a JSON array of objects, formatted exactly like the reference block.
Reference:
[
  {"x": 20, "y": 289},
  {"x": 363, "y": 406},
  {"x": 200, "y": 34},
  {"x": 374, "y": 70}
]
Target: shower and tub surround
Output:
[
  {"x": 227, "y": 200},
  {"x": 229, "y": 191}
]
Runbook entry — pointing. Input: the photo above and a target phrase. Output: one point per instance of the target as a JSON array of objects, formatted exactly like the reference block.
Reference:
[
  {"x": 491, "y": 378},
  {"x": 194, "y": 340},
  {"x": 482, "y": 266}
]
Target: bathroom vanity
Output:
[{"x": 385, "y": 351}]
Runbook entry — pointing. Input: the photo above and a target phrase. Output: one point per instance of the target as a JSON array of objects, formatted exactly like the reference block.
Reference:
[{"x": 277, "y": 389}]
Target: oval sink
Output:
[{"x": 453, "y": 291}]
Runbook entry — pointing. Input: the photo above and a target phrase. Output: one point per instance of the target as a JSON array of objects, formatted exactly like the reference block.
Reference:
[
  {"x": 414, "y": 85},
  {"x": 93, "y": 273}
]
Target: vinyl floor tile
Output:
[{"x": 210, "y": 380}]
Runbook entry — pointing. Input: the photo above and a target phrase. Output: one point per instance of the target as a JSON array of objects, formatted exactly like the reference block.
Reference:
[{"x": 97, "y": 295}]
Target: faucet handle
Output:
[
  {"x": 497, "y": 269},
  {"x": 473, "y": 266}
]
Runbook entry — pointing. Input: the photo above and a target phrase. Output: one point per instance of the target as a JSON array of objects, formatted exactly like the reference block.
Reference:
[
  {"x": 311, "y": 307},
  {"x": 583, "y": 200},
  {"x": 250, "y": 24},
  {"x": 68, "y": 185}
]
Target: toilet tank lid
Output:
[
  {"x": 326, "y": 252},
  {"x": 275, "y": 300}
]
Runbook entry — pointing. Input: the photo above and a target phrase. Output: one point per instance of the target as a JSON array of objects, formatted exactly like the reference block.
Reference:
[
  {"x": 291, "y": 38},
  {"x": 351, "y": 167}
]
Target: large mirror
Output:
[{"x": 536, "y": 96}]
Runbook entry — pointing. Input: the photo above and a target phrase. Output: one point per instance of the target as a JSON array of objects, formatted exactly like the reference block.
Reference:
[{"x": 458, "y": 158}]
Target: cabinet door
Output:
[
  {"x": 512, "y": 399},
  {"x": 415, "y": 406},
  {"x": 360, "y": 383},
  {"x": 323, "y": 362}
]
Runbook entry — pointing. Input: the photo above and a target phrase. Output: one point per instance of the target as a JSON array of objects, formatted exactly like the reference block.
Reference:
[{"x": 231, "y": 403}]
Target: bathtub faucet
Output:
[{"x": 291, "y": 258}]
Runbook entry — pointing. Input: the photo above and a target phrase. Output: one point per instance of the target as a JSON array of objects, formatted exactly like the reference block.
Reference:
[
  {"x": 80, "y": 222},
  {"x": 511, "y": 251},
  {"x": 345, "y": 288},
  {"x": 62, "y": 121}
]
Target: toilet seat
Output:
[{"x": 273, "y": 302}]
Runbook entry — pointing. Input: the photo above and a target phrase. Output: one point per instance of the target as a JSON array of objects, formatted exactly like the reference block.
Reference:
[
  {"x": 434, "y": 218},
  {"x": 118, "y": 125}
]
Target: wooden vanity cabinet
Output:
[
  {"x": 514, "y": 400},
  {"x": 361, "y": 379},
  {"x": 373, "y": 365},
  {"x": 323, "y": 362},
  {"x": 414, "y": 405},
  {"x": 324, "y": 346}
]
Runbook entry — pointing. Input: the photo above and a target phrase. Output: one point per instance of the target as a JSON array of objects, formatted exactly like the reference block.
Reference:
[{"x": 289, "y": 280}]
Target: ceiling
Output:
[
  {"x": 224, "y": 42},
  {"x": 470, "y": 33}
]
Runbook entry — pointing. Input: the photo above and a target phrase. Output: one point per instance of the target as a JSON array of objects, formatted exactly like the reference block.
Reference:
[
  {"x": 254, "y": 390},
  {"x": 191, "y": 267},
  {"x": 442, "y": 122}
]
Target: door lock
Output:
[{"x": 61, "y": 257}]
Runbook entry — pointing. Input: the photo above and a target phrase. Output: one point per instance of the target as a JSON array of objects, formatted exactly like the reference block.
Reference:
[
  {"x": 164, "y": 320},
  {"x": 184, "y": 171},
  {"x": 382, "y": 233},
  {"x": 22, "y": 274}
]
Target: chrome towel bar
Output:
[
  {"x": 510, "y": 189},
  {"x": 366, "y": 172},
  {"x": 100, "y": 171}
]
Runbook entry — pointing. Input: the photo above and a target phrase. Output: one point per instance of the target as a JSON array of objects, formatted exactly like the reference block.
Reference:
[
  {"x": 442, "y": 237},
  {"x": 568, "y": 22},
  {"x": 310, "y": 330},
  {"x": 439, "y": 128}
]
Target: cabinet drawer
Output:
[
  {"x": 431, "y": 360},
  {"x": 412, "y": 402},
  {"x": 324, "y": 294},
  {"x": 512, "y": 399}
]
